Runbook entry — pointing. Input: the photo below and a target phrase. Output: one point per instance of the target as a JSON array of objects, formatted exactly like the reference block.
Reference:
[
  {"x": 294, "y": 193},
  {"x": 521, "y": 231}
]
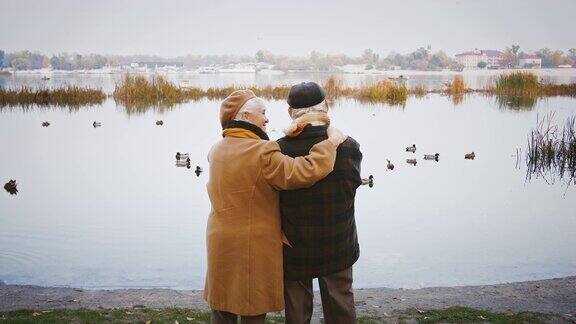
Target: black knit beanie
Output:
[{"x": 305, "y": 94}]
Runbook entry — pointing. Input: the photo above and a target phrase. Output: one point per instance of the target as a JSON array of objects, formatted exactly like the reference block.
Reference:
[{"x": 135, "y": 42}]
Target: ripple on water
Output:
[{"x": 12, "y": 260}]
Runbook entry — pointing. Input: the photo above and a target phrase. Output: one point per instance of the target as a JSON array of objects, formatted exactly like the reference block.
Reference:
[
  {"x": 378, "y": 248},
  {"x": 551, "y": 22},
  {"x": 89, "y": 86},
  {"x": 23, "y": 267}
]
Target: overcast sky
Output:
[{"x": 293, "y": 27}]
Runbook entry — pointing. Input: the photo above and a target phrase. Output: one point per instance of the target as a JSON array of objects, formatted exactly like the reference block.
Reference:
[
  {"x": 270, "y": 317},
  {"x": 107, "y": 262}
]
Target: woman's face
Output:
[{"x": 258, "y": 117}]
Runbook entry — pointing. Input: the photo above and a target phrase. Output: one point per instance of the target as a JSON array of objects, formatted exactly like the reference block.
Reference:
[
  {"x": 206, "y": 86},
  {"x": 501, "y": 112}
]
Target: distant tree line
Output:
[
  {"x": 420, "y": 59},
  {"x": 550, "y": 59}
]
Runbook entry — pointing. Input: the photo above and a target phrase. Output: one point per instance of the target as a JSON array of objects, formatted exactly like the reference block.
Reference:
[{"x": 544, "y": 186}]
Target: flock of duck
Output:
[
  {"x": 99, "y": 124},
  {"x": 433, "y": 157},
  {"x": 412, "y": 149},
  {"x": 183, "y": 161}
]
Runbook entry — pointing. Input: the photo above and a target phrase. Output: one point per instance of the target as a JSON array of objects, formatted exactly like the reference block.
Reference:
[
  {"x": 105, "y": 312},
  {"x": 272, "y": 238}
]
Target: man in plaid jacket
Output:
[{"x": 319, "y": 221}]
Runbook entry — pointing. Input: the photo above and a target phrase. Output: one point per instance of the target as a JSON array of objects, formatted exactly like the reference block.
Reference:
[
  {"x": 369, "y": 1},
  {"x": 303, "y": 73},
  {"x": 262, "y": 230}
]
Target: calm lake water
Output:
[{"x": 107, "y": 207}]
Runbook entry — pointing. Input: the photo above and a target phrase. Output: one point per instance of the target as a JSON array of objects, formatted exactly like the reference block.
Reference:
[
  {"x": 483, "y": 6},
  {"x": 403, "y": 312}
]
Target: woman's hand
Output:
[{"x": 336, "y": 136}]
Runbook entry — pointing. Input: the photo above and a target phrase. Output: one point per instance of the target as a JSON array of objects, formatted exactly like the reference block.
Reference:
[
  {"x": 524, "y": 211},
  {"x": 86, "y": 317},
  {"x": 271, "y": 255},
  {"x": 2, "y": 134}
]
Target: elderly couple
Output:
[{"x": 282, "y": 212}]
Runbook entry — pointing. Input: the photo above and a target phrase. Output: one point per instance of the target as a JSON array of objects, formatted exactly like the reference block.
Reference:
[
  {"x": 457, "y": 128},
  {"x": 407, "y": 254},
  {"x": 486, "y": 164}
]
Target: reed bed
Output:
[
  {"x": 139, "y": 91},
  {"x": 559, "y": 89},
  {"x": 384, "y": 91},
  {"x": 419, "y": 91},
  {"x": 136, "y": 91},
  {"x": 550, "y": 150},
  {"x": 457, "y": 86},
  {"x": 518, "y": 83},
  {"x": 69, "y": 96},
  {"x": 335, "y": 88},
  {"x": 521, "y": 90}
]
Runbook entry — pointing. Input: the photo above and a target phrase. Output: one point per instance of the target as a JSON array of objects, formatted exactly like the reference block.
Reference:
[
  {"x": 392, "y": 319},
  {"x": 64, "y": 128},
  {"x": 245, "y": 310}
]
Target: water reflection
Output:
[{"x": 524, "y": 102}]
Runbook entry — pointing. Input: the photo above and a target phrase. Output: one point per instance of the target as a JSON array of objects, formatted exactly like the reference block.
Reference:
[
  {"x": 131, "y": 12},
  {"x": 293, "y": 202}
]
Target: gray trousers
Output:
[{"x": 337, "y": 299}]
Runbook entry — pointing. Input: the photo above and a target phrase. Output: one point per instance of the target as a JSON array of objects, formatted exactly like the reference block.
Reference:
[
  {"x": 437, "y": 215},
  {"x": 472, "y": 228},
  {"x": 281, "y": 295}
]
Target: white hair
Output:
[
  {"x": 299, "y": 112},
  {"x": 252, "y": 106}
]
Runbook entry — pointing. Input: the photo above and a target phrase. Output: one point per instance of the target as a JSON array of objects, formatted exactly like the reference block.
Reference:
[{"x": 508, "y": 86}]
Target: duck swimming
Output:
[
  {"x": 11, "y": 187},
  {"x": 411, "y": 161},
  {"x": 198, "y": 170},
  {"x": 390, "y": 166},
  {"x": 45, "y": 124},
  {"x": 368, "y": 181},
  {"x": 182, "y": 156},
  {"x": 159, "y": 122},
  {"x": 96, "y": 124},
  {"x": 432, "y": 157},
  {"x": 183, "y": 163},
  {"x": 411, "y": 148},
  {"x": 470, "y": 156}
]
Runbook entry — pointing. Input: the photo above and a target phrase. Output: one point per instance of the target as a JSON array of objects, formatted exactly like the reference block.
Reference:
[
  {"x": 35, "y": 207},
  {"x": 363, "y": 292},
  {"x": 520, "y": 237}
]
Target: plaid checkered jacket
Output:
[{"x": 319, "y": 221}]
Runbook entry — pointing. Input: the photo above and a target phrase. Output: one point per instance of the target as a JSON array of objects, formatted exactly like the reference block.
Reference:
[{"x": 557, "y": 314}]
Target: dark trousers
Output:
[
  {"x": 221, "y": 317},
  {"x": 337, "y": 299}
]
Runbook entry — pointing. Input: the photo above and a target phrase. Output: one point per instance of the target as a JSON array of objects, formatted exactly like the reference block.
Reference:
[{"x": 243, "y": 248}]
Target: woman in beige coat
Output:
[{"x": 244, "y": 237}]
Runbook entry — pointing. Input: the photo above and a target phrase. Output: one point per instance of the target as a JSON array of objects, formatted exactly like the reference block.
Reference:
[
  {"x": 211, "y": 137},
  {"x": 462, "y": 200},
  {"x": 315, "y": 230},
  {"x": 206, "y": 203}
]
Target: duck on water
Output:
[{"x": 435, "y": 157}]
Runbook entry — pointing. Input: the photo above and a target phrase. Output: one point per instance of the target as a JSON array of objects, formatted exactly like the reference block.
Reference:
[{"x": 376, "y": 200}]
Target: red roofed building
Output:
[{"x": 470, "y": 60}]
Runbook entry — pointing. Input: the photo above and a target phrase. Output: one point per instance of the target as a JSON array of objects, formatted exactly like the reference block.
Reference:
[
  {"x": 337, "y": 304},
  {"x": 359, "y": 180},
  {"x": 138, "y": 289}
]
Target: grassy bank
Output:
[
  {"x": 70, "y": 96},
  {"x": 180, "y": 315}
]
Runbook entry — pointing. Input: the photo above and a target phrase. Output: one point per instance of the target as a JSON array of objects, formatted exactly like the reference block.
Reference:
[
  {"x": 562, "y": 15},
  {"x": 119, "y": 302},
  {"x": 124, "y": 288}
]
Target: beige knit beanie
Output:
[{"x": 232, "y": 104}]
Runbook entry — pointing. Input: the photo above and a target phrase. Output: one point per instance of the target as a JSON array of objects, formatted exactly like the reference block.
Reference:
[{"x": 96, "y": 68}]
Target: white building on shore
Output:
[
  {"x": 471, "y": 59},
  {"x": 529, "y": 61}
]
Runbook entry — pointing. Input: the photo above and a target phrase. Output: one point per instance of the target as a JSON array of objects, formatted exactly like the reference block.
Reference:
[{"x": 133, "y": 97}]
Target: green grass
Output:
[
  {"x": 125, "y": 315},
  {"x": 458, "y": 314},
  {"x": 454, "y": 314}
]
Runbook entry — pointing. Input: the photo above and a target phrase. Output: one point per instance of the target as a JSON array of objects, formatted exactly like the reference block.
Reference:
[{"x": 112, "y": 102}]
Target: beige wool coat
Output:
[{"x": 244, "y": 236}]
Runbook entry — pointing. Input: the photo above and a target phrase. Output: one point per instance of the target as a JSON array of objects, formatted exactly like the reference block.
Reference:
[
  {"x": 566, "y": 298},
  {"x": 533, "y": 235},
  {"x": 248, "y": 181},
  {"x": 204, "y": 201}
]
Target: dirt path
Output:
[{"x": 547, "y": 296}]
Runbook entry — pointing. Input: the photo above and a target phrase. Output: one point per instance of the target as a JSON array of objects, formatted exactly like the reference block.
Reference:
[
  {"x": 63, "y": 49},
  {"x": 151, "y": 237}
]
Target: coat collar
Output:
[
  {"x": 313, "y": 131},
  {"x": 242, "y": 129}
]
